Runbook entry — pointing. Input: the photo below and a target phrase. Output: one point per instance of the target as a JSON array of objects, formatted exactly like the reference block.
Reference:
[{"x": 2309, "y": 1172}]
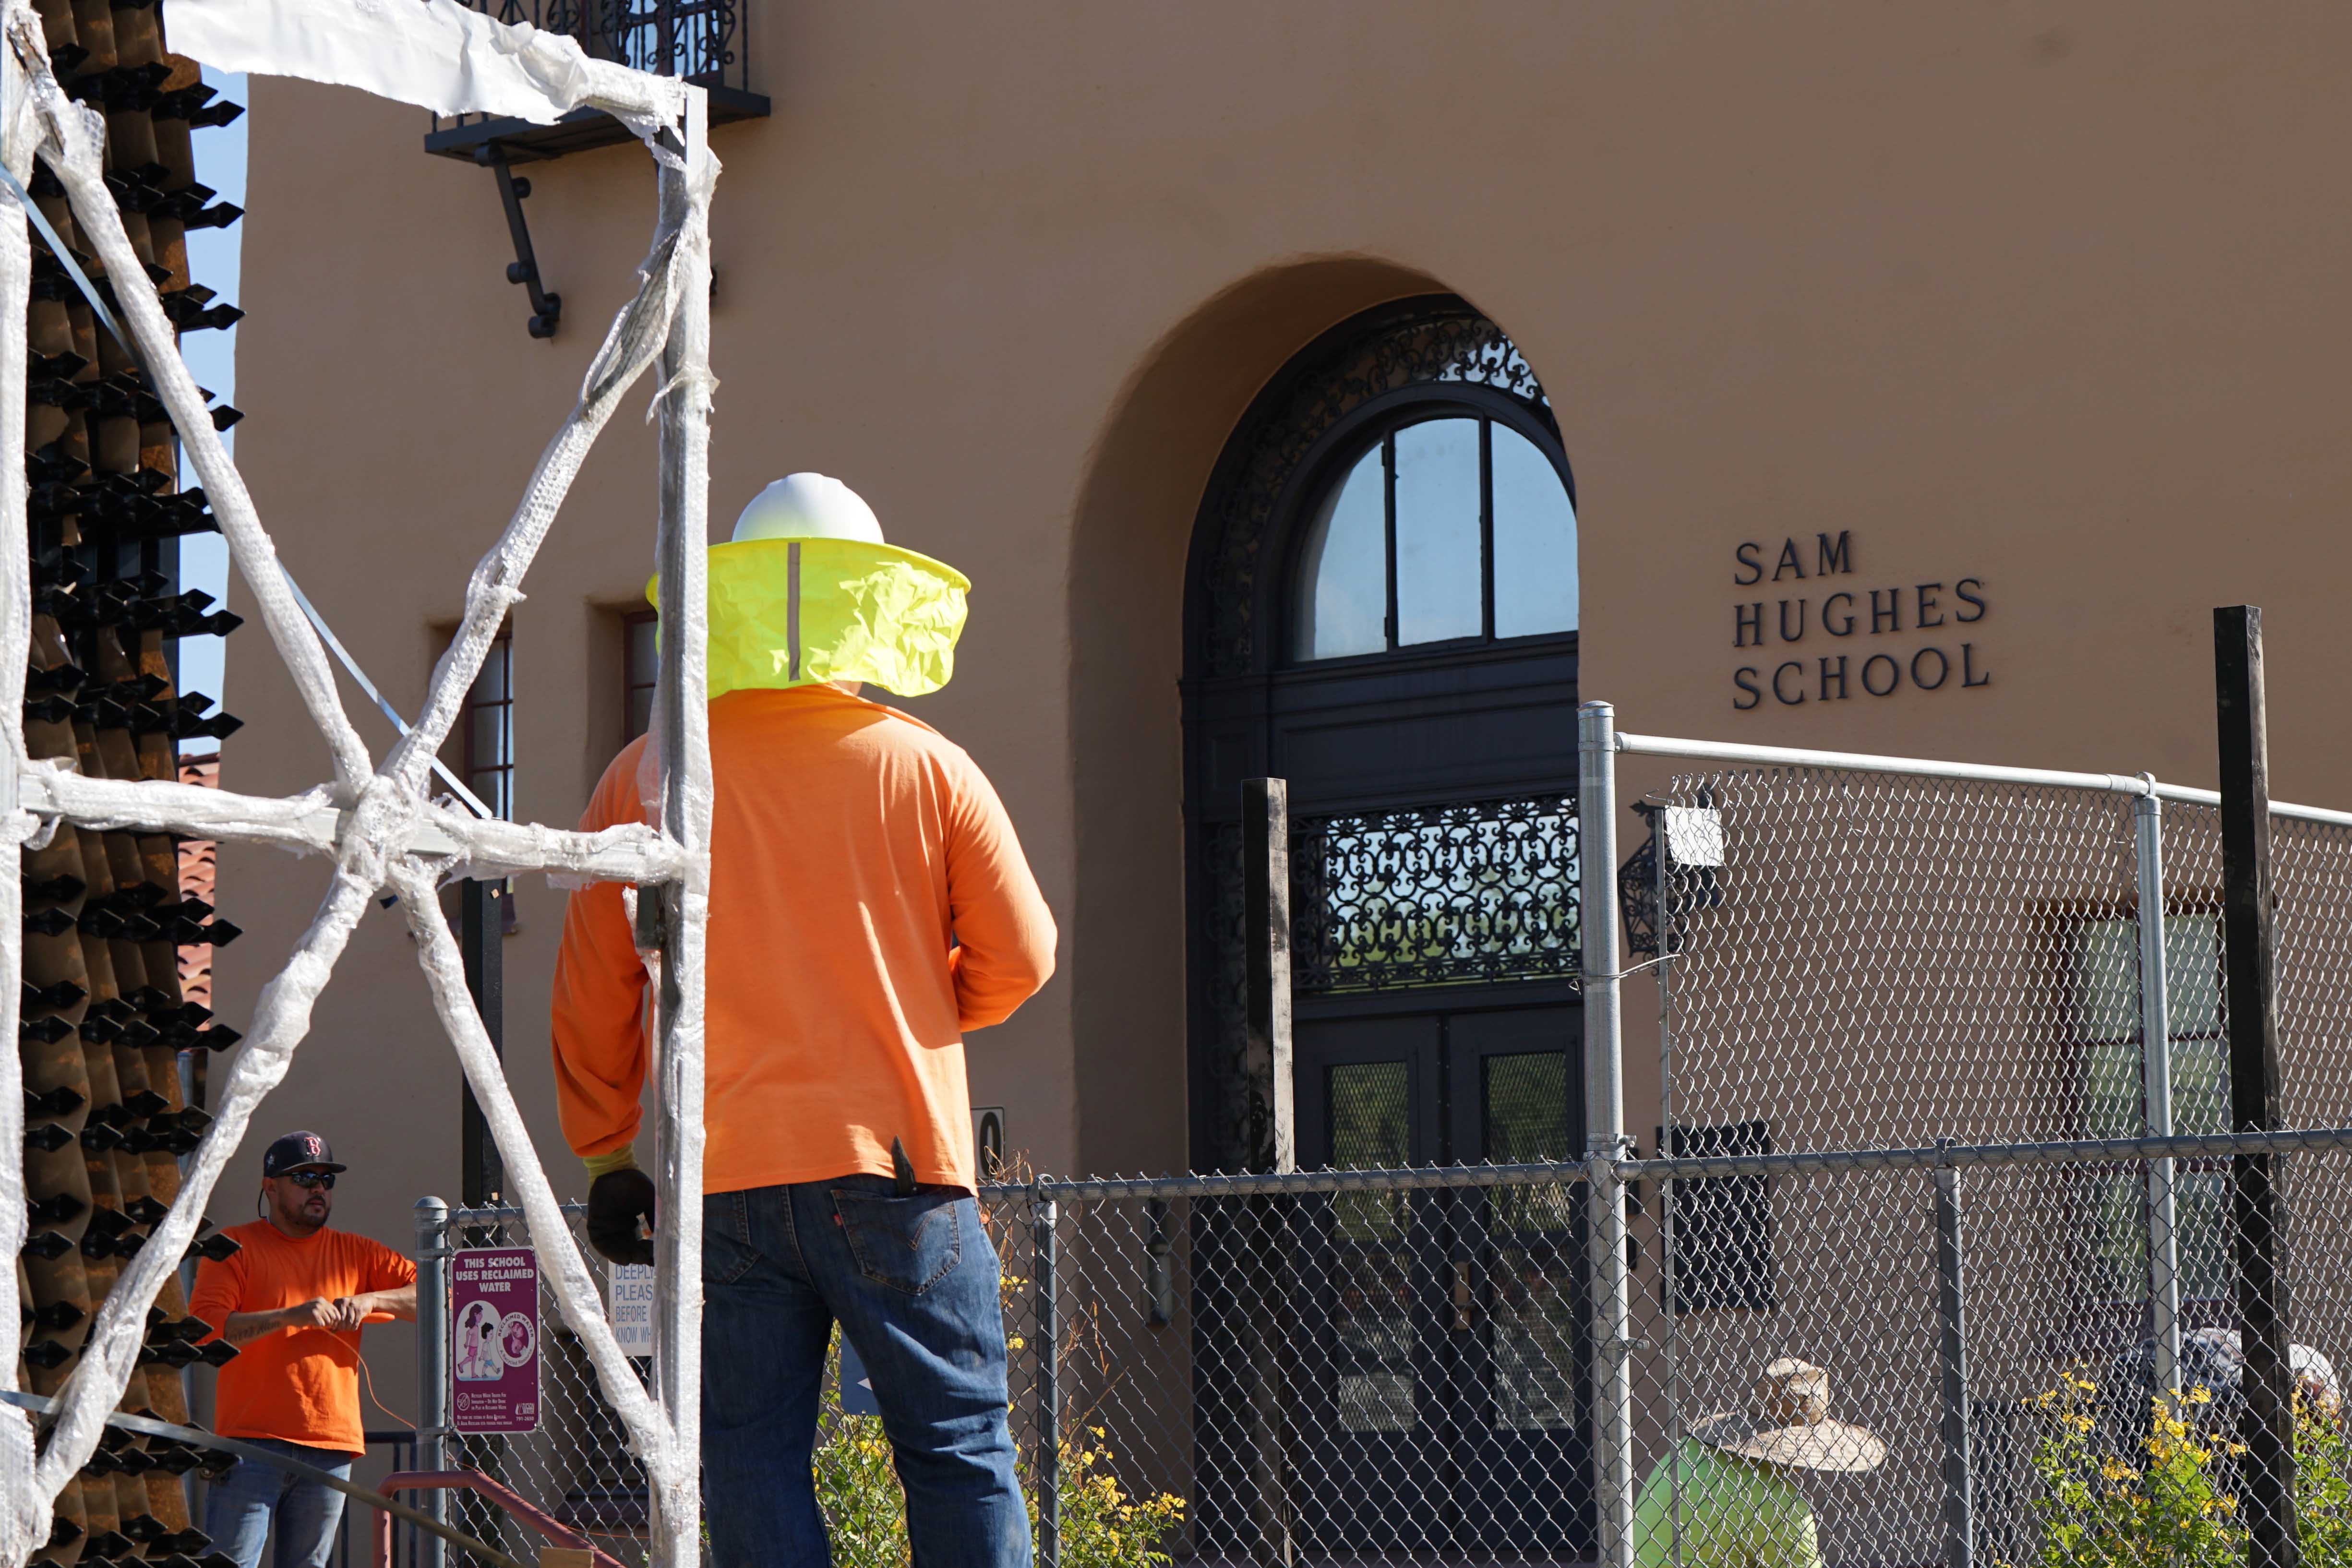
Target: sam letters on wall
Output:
[{"x": 1856, "y": 642}]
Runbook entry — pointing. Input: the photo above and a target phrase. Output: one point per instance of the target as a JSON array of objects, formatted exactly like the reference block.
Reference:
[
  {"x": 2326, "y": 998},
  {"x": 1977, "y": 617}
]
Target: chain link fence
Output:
[
  {"x": 576, "y": 1468},
  {"x": 1930, "y": 1253}
]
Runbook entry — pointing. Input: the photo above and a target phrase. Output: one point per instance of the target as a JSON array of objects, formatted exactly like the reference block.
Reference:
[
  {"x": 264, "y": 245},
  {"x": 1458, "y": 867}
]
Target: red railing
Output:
[{"x": 501, "y": 1497}]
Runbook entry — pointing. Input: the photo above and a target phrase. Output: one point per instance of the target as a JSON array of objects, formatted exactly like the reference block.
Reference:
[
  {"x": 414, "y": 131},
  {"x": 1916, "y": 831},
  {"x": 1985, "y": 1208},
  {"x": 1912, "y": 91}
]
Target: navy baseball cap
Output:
[{"x": 296, "y": 1150}]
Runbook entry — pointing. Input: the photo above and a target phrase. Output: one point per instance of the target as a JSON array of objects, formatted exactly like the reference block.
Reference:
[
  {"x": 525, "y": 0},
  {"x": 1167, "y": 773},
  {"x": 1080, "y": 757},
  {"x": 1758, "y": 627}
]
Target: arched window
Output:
[{"x": 1447, "y": 525}]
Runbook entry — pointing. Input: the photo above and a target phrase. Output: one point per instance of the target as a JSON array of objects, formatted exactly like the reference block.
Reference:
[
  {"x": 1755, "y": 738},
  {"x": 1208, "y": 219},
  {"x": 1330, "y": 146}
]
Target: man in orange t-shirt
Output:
[
  {"x": 869, "y": 906},
  {"x": 292, "y": 1299}
]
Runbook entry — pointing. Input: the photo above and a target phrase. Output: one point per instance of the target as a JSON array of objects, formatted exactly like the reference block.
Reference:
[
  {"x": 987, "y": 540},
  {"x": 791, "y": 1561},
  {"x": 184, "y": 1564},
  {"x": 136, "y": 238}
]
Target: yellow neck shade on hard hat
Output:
[{"x": 792, "y": 613}]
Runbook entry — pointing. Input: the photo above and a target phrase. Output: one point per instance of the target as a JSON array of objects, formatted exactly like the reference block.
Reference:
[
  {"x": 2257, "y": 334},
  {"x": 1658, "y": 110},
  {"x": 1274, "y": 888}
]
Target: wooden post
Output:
[
  {"x": 1266, "y": 879},
  {"x": 2248, "y": 944},
  {"x": 1269, "y": 1238}
]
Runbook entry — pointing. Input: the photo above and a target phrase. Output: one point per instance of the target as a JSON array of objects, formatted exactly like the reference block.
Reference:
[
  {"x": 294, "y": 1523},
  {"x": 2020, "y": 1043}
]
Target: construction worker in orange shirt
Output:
[
  {"x": 293, "y": 1298},
  {"x": 869, "y": 906}
]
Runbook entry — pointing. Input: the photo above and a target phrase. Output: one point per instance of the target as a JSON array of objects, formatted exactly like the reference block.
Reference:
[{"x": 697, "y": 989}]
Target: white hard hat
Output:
[{"x": 808, "y": 507}]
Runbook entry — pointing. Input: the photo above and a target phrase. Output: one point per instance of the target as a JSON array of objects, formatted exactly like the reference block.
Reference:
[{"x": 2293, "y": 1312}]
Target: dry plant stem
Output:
[
  {"x": 567, "y": 1271},
  {"x": 24, "y": 1509}
]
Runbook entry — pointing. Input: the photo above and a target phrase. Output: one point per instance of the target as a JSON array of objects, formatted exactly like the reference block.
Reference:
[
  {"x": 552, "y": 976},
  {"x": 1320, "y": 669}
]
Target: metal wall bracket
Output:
[{"x": 546, "y": 306}]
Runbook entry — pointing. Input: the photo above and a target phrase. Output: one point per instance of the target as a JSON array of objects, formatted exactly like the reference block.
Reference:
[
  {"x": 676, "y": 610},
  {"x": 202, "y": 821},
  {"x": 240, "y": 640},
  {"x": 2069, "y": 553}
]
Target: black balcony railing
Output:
[{"x": 702, "y": 41}]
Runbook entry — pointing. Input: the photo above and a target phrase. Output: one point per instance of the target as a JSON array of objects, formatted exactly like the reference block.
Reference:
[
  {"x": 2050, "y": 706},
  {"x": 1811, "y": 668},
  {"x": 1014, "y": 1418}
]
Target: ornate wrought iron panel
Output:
[
  {"x": 1434, "y": 896},
  {"x": 701, "y": 41}
]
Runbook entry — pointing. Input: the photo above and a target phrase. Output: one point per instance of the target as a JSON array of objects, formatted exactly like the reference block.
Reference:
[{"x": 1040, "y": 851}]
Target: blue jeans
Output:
[
  {"x": 913, "y": 1283},
  {"x": 245, "y": 1503}
]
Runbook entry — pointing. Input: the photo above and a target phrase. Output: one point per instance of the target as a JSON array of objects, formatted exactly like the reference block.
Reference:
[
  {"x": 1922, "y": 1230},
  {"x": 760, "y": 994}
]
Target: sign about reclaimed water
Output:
[
  {"x": 633, "y": 1307},
  {"x": 494, "y": 1339}
]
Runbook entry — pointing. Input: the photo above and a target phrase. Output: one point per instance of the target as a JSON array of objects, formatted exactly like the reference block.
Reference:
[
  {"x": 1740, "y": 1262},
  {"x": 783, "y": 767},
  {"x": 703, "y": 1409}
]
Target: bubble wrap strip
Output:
[
  {"x": 310, "y": 823},
  {"x": 23, "y": 1506},
  {"x": 684, "y": 409}
]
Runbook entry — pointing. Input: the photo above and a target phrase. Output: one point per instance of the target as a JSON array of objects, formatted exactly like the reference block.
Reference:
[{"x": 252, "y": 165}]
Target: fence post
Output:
[
  {"x": 2247, "y": 945},
  {"x": 2156, "y": 1078},
  {"x": 1604, "y": 1104},
  {"x": 1952, "y": 1300},
  {"x": 432, "y": 1368},
  {"x": 1265, "y": 915},
  {"x": 1041, "y": 1216}
]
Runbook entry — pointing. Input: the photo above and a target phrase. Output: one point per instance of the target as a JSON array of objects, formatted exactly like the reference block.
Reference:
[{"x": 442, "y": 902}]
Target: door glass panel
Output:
[
  {"x": 1441, "y": 566},
  {"x": 1372, "y": 1256},
  {"x": 1343, "y": 574},
  {"x": 1526, "y": 1107},
  {"x": 1534, "y": 540},
  {"x": 1533, "y": 1312}
]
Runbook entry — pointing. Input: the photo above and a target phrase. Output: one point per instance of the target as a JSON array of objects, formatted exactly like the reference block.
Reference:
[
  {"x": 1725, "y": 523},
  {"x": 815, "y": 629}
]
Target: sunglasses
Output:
[{"x": 313, "y": 1179}]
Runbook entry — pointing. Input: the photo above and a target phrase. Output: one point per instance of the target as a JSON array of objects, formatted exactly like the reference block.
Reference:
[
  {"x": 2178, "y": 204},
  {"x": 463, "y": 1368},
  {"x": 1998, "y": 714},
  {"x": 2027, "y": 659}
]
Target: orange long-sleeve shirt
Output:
[{"x": 868, "y": 903}]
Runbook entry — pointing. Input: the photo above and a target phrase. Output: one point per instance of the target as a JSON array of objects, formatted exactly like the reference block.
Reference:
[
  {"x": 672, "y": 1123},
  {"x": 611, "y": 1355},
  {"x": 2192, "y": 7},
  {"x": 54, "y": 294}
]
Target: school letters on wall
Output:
[{"x": 1858, "y": 642}]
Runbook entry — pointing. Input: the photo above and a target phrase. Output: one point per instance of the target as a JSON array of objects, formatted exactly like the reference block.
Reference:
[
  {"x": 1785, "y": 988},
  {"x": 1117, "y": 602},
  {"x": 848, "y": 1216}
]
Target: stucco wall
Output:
[{"x": 2046, "y": 296}]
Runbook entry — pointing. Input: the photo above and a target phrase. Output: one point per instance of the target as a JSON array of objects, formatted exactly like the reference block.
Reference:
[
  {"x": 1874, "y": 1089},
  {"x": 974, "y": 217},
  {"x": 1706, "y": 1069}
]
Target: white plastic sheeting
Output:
[
  {"x": 25, "y": 1504},
  {"x": 434, "y": 54},
  {"x": 376, "y": 822}
]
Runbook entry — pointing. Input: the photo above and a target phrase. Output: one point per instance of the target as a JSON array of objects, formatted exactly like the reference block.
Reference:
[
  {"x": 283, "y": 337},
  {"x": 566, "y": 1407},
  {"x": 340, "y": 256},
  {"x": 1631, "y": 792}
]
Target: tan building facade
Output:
[{"x": 1922, "y": 378}]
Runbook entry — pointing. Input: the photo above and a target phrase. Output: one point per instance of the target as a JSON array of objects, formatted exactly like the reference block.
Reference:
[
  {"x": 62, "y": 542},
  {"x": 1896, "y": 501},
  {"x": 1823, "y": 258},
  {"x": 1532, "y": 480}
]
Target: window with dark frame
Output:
[
  {"x": 489, "y": 727},
  {"x": 640, "y": 672},
  {"x": 1722, "y": 1225},
  {"x": 1443, "y": 529},
  {"x": 2102, "y": 979}
]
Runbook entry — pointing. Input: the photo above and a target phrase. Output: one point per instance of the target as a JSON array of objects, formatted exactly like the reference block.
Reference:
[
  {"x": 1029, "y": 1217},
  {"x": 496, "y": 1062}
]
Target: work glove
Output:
[{"x": 616, "y": 1201}]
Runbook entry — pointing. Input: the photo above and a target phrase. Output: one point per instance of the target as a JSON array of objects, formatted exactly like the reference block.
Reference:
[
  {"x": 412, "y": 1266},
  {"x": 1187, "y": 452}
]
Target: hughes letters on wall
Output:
[{"x": 1855, "y": 641}]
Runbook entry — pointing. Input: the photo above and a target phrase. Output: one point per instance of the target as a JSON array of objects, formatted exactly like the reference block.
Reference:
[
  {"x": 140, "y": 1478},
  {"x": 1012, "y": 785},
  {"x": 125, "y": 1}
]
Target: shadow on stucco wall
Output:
[{"x": 1137, "y": 506}]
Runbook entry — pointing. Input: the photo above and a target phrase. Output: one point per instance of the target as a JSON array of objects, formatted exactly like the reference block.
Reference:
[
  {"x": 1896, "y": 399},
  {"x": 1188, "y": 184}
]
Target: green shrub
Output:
[
  {"x": 866, "y": 1512},
  {"x": 2167, "y": 1506}
]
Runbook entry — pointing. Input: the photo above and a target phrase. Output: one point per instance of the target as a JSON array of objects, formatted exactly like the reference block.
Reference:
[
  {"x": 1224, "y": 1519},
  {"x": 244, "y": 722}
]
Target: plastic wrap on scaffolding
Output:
[{"x": 375, "y": 821}]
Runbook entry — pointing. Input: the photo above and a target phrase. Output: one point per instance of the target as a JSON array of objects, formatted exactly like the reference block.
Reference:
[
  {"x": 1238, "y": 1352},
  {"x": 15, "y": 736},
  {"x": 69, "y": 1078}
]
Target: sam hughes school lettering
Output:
[{"x": 1833, "y": 670}]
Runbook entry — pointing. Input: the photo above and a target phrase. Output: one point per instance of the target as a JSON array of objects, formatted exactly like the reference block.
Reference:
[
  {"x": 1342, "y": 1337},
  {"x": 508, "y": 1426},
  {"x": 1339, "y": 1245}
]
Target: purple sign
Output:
[{"x": 494, "y": 1339}]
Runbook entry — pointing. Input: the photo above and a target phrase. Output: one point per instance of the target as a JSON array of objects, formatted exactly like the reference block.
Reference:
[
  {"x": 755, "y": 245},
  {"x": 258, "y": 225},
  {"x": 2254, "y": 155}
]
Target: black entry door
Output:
[{"x": 1445, "y": 1383}]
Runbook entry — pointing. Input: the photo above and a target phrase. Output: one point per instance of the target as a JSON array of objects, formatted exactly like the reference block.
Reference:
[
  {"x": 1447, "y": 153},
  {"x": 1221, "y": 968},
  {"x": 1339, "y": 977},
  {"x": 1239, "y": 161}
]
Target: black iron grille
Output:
[{"x": 1475, "y": 892}]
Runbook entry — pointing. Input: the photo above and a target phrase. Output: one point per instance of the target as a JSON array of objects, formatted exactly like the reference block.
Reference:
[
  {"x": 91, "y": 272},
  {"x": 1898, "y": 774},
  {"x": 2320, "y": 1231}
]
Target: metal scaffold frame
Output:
[{"x": 375, "y": 821}]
